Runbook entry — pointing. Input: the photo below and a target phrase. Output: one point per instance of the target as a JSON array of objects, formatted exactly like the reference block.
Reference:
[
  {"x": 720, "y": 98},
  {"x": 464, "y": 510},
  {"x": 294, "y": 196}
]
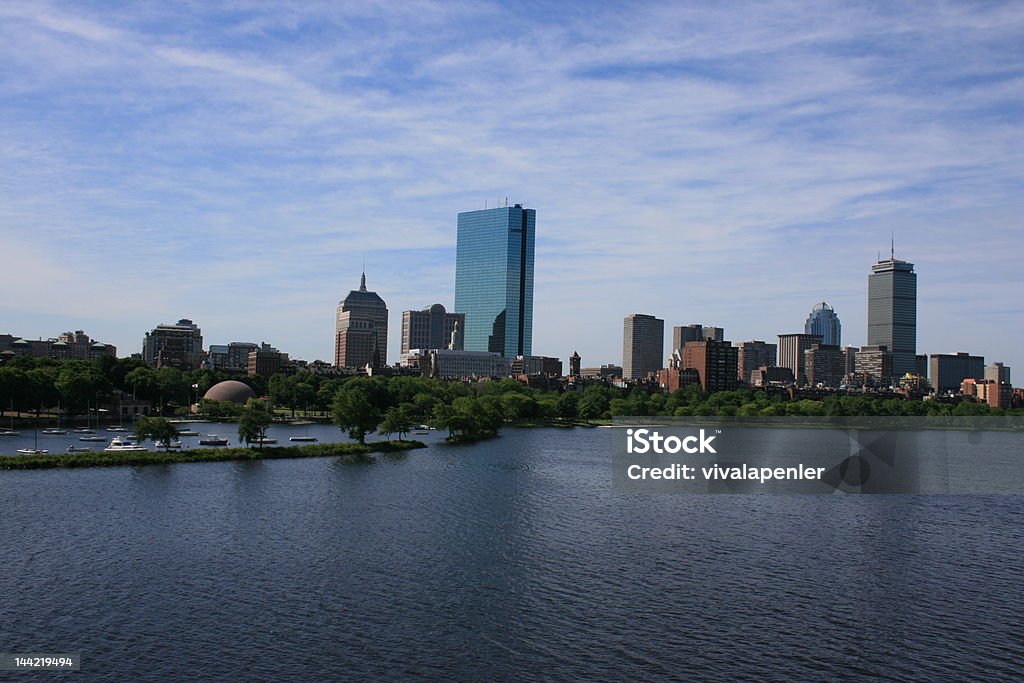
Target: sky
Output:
[{"x": 731, "y": 165}]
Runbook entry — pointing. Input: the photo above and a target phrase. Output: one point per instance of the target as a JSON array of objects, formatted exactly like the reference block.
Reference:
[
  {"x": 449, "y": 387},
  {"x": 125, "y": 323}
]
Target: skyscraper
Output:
[
  {"x": 681, "y": 334},
  {"x": 361, "y": 330},
  {"x": 176, "y": 346},
  {"x": 431, "y": 328},
  {"x": 643, "y": 345},
  {"x": 791, "y": 353},
  {"x": 823, "y": 321},
  {"x": 494, "y": 279},
  {"x": 892, "y": 312}
]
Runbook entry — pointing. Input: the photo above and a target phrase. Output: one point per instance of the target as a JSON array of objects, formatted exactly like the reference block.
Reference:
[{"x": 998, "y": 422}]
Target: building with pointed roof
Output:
[{"x": 361, "y": 330}]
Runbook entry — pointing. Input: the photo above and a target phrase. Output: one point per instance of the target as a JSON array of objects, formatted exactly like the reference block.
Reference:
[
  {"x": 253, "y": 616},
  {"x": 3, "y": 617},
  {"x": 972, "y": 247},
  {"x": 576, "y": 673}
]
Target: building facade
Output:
[
  {"x": 643, "y": 345},
  {"x": 752, "y": 355},
  {"x": 824, "y": 365},
  {"x": 716, "y": 363},
  {"x": 892, "y": 312},
  {"x": 949, "y": 370},
  {"x": 537, "y": 365},
  {"x": 174, "y": 346},
  {"x": 448, "y": 364},
  {"x": 682, "y": 334},
  {"x": 494, "y": 257},
  {"x": 824, "y": 322},
  {"x": 873, "y": 366},
  {"x": 791, "y": 353},
  {"x": 432, "y": 328},
  {"x": 997, "y": 372},
  {"x": 361, "y": 330}
]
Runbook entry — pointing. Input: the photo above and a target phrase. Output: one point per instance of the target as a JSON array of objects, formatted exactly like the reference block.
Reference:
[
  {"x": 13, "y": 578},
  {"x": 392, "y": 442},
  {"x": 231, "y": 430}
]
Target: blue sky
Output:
[{"x": 233, "y": 162}]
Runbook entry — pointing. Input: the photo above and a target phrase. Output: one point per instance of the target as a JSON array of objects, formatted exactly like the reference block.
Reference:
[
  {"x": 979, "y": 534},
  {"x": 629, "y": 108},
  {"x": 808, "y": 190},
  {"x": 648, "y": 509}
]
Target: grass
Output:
[{"x": 352, "y": 452}]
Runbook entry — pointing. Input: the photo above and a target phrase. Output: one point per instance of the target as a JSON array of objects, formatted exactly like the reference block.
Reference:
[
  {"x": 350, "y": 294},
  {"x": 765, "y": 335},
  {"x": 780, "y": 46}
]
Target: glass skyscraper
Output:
[
  {"x": 892, "y": 312},
  {"x": 494, "y": 279},
  {"x": 824, "y": 322}
]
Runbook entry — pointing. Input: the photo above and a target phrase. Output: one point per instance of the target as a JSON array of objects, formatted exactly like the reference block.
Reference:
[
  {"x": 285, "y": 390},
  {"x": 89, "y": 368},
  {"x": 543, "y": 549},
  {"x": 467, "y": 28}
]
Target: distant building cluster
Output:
[{"x": 489, "y": 334}]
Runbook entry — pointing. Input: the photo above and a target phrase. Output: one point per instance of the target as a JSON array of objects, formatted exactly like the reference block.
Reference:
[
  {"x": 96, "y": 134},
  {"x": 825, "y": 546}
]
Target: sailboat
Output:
[
  {"x": 35, "y": 450},
  {"x": 10, "y": 432},
  {"x": 57, "y": 429}
]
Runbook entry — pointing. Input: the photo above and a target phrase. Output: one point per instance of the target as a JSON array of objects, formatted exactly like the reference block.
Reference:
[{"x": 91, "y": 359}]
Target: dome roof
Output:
[{"x": 230, "y": 390}]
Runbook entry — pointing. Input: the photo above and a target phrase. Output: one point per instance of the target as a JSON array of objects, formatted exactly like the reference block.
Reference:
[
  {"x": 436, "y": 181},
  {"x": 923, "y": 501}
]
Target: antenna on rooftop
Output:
[{"x": 892, "y": 245}]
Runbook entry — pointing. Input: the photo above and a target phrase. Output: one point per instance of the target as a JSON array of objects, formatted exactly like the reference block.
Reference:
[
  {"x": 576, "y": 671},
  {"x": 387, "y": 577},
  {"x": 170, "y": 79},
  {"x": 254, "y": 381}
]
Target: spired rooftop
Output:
[{"x": 230, "y": 390}]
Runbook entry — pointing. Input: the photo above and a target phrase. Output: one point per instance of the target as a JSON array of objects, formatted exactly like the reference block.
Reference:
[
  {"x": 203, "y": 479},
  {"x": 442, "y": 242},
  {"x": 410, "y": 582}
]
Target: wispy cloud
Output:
[{"x": 722, "y": 164}]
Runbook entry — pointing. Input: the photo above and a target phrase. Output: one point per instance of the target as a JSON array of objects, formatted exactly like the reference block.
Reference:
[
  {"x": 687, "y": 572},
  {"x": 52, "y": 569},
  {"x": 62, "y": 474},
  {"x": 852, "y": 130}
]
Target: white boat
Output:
[
  {"x": 32, "y": 451},
  {"x": 120, "y": 445},
  {"x": 188, "y": 432},
  {"x": 173, "y": 444},
  {"x": 94, "y": 439},
  {"x": 79, "y": 449},
  {"x": 117, "y": 429},
  {"x": 302, "y": 438},
  {"x": 213, "y": 440},
  {"x": 9, "y": 432},
  {"x": 55, "y": 430},
  {"x": 85, "y": 430},
  {"x": 265, "y": 441}
]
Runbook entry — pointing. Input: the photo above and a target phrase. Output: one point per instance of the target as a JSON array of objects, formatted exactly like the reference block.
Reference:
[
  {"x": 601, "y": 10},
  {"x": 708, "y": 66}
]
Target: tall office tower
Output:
[
  {"x": 823, "y": 321},
  {"x": 716, "y": 363},
  {"x": 892, "y": 312},
  {"x": 361, "y": 330},
  {"x": 997, "y": 372},
  {"x": 176, "y": 346},
  {"x": 849, "y": 360},
  {"x": 791, "y": 353},
  {"x": 950, "y": 369},
  {"x": 432, "y": 328},
  {"x": 494, "y": 279},
  {"x": 643, "y": 344},
  {"x": 753, "y": 355},
  {"x": 681, "y": 334}
]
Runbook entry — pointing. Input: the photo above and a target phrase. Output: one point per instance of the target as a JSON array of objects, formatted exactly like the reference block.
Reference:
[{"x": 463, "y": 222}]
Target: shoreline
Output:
[{"x": 353, "y": 452}]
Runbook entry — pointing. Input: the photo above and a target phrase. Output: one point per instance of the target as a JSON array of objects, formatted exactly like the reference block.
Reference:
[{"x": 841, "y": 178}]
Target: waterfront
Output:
[{"x": 506, "y": 559}]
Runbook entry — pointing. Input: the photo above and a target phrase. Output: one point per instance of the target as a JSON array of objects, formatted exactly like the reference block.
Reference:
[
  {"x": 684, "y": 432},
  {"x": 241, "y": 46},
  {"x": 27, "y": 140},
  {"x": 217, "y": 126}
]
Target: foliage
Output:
[
  {"x": 355, "y": 409},
  {"x": 158, "y": 429},
  {"x": 253, "y": 422},
  {"x": 396, "y": 421}
]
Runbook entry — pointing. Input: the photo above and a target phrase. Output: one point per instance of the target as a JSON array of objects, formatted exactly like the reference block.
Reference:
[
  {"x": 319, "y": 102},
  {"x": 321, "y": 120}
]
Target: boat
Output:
[
  {"x": 121, "y": 445},
  {"x": 117, "y": 429},
  {"x": 421, "y": 431},
  {"x": 265, "y": 442},
  {"x": 79, "y": 449},
  {"x": 85, "y": 430},
  {"x": 94, "y": 439},
  {"x": 188, "y": 432},
  {"x": 213, "y": 440},
  {"x": 302, "y": 438},
  {"x": 173, "y": 444},
  {"x": 32, "y": 451},
  {"x": 300, "y": 423},
  {"x": 9, "y": 432},
  {"x": 55, "y": 430}
]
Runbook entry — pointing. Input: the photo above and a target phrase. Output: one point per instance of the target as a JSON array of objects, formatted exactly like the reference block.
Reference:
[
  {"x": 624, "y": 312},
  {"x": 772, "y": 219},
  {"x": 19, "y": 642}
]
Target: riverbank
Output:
[{"x": 350, "y": 451}]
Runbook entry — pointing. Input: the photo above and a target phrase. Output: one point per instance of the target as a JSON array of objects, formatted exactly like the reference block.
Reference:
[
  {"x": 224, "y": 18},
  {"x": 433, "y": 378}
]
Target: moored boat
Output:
[
  {"x": 213, "y": 440},
  {"x": 121, "y": 444}
]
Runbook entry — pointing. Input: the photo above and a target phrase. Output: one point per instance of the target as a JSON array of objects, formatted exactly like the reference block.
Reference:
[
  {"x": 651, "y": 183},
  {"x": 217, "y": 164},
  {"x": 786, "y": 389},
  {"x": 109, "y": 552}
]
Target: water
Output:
[
  {"x": 503, "y": 560},
  {"x": 58, "y": 443}
]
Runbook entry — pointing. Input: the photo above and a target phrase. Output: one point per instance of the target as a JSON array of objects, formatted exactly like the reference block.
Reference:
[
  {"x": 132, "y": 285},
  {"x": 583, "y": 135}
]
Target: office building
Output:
[
  {"x": 873, "y": 366},
  {"x": 174, "y": 346},
  {"x": 606, "y": 372},
  {"x": 537, "y": 365},
  {"x": 682, "y": 334},
  {"x": 266, "y": 361},
  {"x": 449, "y": 364},
  {"x": 432, "y": 328},
  {"x": 824, "y": 365},
  {"x": 824, "y": 322},
  {"x": 849, "y": 360},
  {"x": 574, "y": 364},
  {"x": 716, "y": 363},
  {"x": 997, "y": 372},
  {"x": 361, "y": 330},
  {"x": 753, "y": 355},
  {"x": 892, "y": 312},
  {"x": 643, "y": 345},
  {"x": 791, "y": 353},
  {"x": 494, "y": 279},
  {"x": 949, "y": 370},
  {"x": 233, "y": 356}
]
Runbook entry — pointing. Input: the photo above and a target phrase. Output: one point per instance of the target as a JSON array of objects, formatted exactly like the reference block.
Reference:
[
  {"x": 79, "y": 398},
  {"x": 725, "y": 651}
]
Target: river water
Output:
[{"x": 509, "y": 559}]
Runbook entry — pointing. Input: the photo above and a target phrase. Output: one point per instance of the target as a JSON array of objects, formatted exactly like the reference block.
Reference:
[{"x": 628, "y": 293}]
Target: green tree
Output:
[
  {"x": 396, "y": 421},
  {"x": 354, "y": 411},
  {"x": 158, "y": 429},
  {"x": 253, "y": 422}
]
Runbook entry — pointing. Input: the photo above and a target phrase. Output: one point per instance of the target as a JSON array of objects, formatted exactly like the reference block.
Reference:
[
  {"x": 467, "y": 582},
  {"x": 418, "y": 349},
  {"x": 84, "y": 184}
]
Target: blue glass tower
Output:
[{"x": 494, "y": 279}]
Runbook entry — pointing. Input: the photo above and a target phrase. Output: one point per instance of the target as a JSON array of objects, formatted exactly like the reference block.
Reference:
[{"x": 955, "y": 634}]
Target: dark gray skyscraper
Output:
[
  {"x": 823, "y": 321},
  {"x": 643, "y": 345},
  {"x": 892, "y": 312}
]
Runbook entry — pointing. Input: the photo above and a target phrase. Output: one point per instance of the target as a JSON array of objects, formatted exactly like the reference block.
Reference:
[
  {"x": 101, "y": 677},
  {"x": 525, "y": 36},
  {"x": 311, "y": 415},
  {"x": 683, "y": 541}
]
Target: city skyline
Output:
[{"x": 234, "y": 168}]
